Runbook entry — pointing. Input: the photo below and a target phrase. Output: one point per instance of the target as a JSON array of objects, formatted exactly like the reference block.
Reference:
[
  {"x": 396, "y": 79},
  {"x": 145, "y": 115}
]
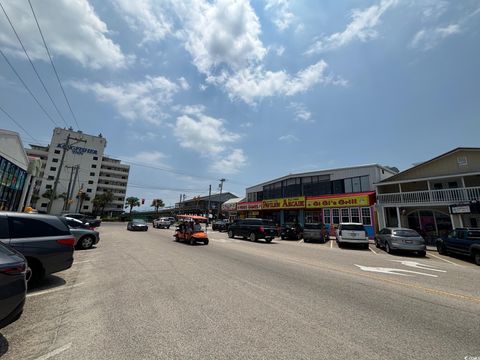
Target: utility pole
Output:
[
  {"x": 208, "y": 210},
  {"x": 67, "y": 198},
  {"x": 220, "y": 200},
  {"x": 57, "y": 178},
  {"x": 70, "y": 196}
]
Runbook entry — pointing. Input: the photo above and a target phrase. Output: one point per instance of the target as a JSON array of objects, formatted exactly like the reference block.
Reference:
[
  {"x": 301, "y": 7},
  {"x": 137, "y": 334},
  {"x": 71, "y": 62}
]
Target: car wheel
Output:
[
  {"x": 176, "y": 238},
  {"x": 36, "y": 271},
  {"x": 268, "y": 240},
  {"x": 283, "y": 237},
  {"x": 231, "y": 235},
  {"x": 253, "y": 237},
  {"x": 192, "y": 241},
  {"x": 387, "y": 247},
  {"x": 441, "y": 249},
  {"x": 305, "y": 240},
  {"x": 86, "y": 242},
  {"x": 366, "y": 246},
  {"x": 377, "y": 245},
  {"x": 422, "y": 253},
  {"x": 476, "y": 258},
  {"x": 299, "y": 236},
  {"x": 205, "y": 242},
  {"x": 168, "y": 227}
]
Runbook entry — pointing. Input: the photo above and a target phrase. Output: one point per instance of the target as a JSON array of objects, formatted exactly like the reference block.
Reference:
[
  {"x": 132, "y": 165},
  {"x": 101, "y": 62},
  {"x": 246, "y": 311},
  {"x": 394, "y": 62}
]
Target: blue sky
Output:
[{"x": 249, "y": 91}]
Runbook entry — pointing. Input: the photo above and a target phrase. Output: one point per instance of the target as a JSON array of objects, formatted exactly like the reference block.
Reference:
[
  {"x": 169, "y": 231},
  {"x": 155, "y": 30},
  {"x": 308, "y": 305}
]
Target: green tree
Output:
[
  {"x": 157, "y": 203},
  {"x": 50, "y": 195},
  {"x": 132, "y": 201},
  {"x": 102, "y": 200}
]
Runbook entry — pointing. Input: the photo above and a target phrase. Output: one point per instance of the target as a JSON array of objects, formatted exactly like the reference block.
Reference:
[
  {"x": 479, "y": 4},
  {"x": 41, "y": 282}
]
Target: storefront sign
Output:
[
  {"x": 338, "y": 201},
  {"x": 256, "y": 205},
  {"x": 285, "y": 203},
  {"x": 460, "y": 209}
]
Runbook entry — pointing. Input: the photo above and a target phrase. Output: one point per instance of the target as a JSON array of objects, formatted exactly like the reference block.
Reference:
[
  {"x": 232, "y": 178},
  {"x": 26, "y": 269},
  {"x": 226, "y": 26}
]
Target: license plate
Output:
[{"x": 408, "y": 242}]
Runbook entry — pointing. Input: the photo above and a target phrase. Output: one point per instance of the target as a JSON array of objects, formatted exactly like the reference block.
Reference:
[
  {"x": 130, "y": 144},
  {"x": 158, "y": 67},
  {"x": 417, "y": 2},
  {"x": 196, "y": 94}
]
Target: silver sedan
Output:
[{"x": 400, "y": 239}]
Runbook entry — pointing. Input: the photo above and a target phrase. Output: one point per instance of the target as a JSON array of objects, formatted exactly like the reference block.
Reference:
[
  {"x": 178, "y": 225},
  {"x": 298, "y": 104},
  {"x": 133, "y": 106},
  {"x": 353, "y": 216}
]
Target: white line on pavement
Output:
[
  {"x": 372, "y": 250},
  {"x": 331, "y": 244},
  {"x": 52, "y": 290},
  {"x": 83, "y": 261},
  {"x": 55, "y": 352},
  {"x": 448, "y": 261},
  {"x": 299, "y": 242}
]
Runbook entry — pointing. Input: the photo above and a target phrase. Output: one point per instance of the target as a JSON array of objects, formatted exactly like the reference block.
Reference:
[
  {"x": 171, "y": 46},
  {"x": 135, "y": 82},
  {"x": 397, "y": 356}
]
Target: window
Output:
[
  {"x": 365, "y": 183},
  {"x": 355, "y": 215},
  {"x": 89, "y": 190},
  {"x": 53, "y": 168},
  {"x": 335, "y": 216},
  {"x": 57, "y": 151},
  {"x": 4, "y": 228},
  {"x": 94, "y": 166},
  {"x": 356, "y": 184},
  {"x": 326, "y": 216},
  {"x": 345, "y": 215},
  {"x": 348, "y": 185},
  {"x": 50, "y": 177},
  {"x": 48, "y": 186},
  {"x": 92, "y": 174},
  {"x": 338, "y": 187},
  {"x": 366, "y": 218},
  {"x": 90, "y": 182},
  {"x": 85, "y": 207},
  {"x": 44, "y": 205},
  {"x": 95, "y": 158},
  {"x": 54, "y": 160},
  {"x": 28, "y": 227}
]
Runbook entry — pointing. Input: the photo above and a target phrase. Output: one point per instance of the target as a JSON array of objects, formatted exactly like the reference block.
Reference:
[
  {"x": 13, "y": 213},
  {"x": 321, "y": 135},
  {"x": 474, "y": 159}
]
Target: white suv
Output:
[
  {"x": 351, "y": 233},
  {"x": 162, "y": 223}
]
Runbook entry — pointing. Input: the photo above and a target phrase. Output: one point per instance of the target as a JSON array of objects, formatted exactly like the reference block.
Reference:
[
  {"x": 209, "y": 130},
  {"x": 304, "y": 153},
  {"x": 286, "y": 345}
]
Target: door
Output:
[{"x": 456, "y": 241}]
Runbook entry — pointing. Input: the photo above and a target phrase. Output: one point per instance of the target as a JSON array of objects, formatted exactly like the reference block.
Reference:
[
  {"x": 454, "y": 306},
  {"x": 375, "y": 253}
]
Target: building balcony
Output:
[{"x": 436, "y": 197}]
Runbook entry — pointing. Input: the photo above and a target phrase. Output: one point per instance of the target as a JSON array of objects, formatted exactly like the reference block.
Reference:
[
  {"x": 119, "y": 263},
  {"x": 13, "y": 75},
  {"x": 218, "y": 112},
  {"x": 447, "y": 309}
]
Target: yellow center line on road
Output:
[
  {"x": 448, "y": 261},
  {"x": 421, "y": 288}
]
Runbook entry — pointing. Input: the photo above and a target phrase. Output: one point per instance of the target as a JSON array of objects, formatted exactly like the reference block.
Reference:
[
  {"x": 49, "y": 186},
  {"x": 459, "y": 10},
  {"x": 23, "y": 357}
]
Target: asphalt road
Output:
[{"x": 144, "y": 296}]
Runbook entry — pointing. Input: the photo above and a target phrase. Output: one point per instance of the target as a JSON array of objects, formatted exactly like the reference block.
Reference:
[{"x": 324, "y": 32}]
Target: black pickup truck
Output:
[
  {"x": 253, "y": 229},
  {"x": 464, "y": 241}
]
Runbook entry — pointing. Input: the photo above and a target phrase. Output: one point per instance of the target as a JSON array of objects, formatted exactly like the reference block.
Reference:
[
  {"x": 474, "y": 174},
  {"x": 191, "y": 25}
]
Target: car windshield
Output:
[
  {"x": 406, "y": 233},
  {"x": 138, "y": 221},
  {"x": 353, "y": 227}
]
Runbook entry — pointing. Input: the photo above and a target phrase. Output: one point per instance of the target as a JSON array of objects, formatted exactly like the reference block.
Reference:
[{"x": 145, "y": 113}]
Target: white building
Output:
[{"x": 85, "y": 173}]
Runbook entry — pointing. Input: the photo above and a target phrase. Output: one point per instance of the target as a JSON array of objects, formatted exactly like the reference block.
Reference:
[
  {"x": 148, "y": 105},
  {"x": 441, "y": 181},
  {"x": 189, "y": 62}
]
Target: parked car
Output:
[
  {"x": 13, "y": 284},
  {"x": 85, "y": 219},
  {"x": 137, "y": 225},
  {"x": 85, "y": 237},
  {"x": 463, "y": 241},
  {"x": 220, "y": 225},
  {"x": 253, "y": 229},
  {"x": 291, "y": 231},
  {"x": 351, "y": 233},
  {"x": 44, "y": 240},
  {"x": 315, "y": 232},
  {"x": 392, "y": 239},
  {"x": 162, "y": 223}
]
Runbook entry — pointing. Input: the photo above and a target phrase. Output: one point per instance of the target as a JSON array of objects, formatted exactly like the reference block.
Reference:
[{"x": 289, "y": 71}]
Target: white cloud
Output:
[
  {"x": 289, "y": 138},
  {"x": 282, "y": 16},
  {"x": 230, "y": 164},
  {"x": 209, "y": 137},
  {"x": 184, "y": 83},
  {"x": 427, "y": 39},
  {"x": 362, "y": 28},
  {"x": 147, "y": 16},
  {"x": 71, "y": 28},
  {"x": 301, "y": 113},
  {"x": 224, "y": 32},
  {"x": 135, "y": 101},
  {"x": 156, "y": 158},
  {"x": 251, "y": 84}
]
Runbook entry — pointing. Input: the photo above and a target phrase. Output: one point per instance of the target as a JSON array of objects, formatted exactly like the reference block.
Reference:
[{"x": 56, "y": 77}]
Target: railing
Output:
[{"x": 445, "y": 196}]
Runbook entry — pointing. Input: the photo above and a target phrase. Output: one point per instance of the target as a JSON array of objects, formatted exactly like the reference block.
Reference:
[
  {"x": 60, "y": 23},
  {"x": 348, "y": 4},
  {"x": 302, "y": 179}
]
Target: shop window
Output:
[
  {"x": 326, "y": 216},
  {"x": 345, "y": 215},
  {"x": 313, "y": 217},
  {"x": 366, "y": 216},
  {"x": 335, "y": 216},
  {"x": 355, "y": 215}
]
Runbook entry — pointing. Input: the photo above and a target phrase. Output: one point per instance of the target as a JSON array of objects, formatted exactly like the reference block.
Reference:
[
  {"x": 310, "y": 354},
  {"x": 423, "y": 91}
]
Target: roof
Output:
[
  {"x": 418, "y": 165},
  {"x": 234, "y": 201},
  {"x": 316, "y": 172},
  {"x": 214, "y": 197}
]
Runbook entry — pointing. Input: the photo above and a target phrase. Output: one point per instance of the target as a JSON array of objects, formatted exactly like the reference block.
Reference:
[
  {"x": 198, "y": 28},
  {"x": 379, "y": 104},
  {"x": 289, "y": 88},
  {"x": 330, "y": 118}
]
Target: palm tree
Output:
[
  {"x": 157, "y": 203},
  {"x": 132, "y": 201},
  {"x": 102, "y": 200}
]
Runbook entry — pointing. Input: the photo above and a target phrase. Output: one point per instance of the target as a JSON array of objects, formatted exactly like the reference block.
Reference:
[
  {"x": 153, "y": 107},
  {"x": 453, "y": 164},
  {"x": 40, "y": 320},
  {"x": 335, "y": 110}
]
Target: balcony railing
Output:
[{"x": 445, "y": 196}]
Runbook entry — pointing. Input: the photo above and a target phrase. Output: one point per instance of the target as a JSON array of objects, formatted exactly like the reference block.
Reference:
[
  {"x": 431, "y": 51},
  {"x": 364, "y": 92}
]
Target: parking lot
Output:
[{"x": 141, "y": 295}]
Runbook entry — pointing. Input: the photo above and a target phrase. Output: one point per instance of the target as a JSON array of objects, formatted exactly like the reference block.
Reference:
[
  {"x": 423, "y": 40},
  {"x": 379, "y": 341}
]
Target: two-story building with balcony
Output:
[{"x": 434, "y": 196}]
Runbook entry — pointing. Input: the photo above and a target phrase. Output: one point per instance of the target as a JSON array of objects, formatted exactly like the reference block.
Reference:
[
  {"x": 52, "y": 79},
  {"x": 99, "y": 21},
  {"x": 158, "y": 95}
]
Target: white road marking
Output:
[
  {"x": 331, "y": 244},
  {"x": 81, "y": 262},
  {"x": 417, "y": 265},
  {"x": 299, "y": 242},
  {"x": 391, "y": 271},
  {"x": 369, "y": 248},
  {"x": 55, "y": 352},
  {"x": 52, "y": 290},
  {"x": 448, "y": 261}
]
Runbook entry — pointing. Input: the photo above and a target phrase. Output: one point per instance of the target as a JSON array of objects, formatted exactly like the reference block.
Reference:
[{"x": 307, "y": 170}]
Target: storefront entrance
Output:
[{"x": 429, "y": 223}]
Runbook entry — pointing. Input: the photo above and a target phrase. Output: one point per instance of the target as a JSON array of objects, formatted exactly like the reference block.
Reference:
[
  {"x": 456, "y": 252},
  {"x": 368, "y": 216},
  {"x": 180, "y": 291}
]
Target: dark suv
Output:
[
  {"x": 291, "y": 231},
  {"x": 44, "y": 240},
  {"x": 253, "y": 229},
  {"x": 464, "y": 241}
]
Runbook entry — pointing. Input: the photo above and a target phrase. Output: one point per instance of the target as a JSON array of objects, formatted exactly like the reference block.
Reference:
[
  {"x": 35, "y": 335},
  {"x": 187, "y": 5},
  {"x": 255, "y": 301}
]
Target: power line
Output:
[
  {"x": 17, "y": 123},
  {"x": 53, "y": 66},
  {"x": 28, "y": 89},
  {"x": 33, "y": 66}
]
